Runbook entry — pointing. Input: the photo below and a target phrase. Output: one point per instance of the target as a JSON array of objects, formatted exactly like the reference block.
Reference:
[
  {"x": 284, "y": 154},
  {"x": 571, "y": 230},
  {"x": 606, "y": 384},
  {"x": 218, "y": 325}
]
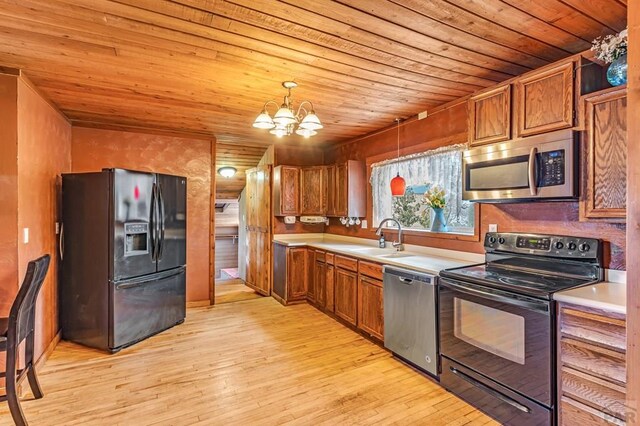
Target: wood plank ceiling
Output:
[
  {"x": 240, "y": 157},
  {"x": 207, "y": 66}
]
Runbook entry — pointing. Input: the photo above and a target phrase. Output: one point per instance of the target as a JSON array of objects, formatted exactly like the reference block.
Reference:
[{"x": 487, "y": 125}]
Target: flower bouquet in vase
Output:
[
  {"x": 435, "y": 199},
  {"x": 612, "y": 49}
]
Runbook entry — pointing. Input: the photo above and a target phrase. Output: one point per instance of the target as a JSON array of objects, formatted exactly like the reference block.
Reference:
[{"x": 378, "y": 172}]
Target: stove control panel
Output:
[{"x": 544, "y": 245}]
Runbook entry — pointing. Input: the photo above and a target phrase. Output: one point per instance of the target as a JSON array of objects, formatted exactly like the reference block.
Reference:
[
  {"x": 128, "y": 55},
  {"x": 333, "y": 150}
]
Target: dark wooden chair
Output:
[{"x": 19, "y": 327}]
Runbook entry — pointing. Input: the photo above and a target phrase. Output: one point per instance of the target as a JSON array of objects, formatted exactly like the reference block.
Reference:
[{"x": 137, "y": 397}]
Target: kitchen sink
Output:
[{"x": 397, "y": 255}]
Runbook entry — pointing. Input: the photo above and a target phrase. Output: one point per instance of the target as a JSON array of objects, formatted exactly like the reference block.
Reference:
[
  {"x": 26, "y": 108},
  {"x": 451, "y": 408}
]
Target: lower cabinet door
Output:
[
  {"x": 296, "y": 273},
  {"x": 329, "y": 282},
  {"x": 346, "y": 294},
  {"x": 319, "y": 283},
  {"x": 370, "y": 307}
]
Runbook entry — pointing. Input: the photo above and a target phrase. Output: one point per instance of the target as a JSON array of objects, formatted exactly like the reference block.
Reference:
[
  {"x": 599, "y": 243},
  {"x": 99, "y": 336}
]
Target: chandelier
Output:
[{"x": 303, "y": 122}]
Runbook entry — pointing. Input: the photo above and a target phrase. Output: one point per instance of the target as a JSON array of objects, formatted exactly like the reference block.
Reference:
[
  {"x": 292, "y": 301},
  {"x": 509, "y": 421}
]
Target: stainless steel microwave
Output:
[{"x": 543, "y": 167}]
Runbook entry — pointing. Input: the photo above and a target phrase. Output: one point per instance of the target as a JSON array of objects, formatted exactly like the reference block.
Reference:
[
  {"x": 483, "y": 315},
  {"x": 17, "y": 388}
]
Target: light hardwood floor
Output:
[
  {"x": 249, "y": 363},
  {"x": 229, "y": 291}
]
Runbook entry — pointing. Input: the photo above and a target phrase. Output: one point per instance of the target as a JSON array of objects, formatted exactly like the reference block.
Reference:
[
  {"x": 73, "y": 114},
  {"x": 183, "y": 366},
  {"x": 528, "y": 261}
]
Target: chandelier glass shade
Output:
[{"x": 287, "y": 120}]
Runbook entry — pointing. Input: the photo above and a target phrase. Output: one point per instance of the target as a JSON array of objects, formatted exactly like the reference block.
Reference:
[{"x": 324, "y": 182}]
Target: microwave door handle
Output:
[{"x": 532, "y": 171}]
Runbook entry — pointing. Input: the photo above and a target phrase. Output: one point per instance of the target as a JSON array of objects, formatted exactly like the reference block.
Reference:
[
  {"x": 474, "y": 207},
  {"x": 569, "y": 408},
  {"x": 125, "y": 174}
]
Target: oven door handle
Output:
[
  {"x": 532, "y": 171},
  {"x": 490, "y": 391},
  {"x": 515, "y": 301}
]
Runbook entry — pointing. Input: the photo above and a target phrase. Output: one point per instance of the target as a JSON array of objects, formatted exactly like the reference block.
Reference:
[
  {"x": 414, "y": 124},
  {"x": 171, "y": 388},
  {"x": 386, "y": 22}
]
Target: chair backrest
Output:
[{"x": 23, "y": 310}]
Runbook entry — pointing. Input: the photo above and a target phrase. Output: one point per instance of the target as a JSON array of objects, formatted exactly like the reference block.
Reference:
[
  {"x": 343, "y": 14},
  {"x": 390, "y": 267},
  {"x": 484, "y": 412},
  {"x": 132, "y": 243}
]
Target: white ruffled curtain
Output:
[{"x": 442, "y": 167}]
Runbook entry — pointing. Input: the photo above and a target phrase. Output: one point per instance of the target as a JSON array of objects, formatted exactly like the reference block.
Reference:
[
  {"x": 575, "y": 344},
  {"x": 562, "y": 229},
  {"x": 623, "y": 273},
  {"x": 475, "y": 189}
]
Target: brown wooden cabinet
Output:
[
  {"x": 329, "y": 287},
  {"x": 286, "y": 191},
  {"x": 318, "y": 294},
  {"x": 346, "y": 291},
  {"x": 290, "y": 277},
  {"x": 490, "y": 116},
  {"x": 346, "y": 189},
  {"x": 258, "y": 228},
  {"x": 313, "y": 191},
  {"x": 604, "y": 162},
  {"x": 592, "y": 367},
  {"x": 545, "y": 100},
  {"x": 370, "y": 306}
]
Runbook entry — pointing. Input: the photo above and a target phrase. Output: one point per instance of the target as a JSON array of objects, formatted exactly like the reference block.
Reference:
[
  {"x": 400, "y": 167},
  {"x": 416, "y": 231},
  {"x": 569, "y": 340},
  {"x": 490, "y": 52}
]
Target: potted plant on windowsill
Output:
[{"x": 435, "y": 199}]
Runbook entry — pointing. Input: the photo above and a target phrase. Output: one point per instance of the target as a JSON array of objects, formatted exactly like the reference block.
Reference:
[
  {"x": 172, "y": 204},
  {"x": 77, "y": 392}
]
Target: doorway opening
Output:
[{"x": 229, "y": 272}]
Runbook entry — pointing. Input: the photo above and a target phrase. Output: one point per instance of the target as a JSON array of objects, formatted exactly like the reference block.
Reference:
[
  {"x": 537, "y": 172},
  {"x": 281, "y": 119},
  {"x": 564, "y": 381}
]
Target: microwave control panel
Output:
[{"x": 551, "y": 168}]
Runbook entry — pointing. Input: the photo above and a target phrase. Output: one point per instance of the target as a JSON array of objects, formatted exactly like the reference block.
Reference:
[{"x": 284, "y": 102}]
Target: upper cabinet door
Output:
[
  {"x": 605, "y": 159},
  {"x": 286, "y": 191},
  {"x": 545, "y": 100},
  {"x": 313, "y": 191},
  {"x": 490, "y": 116}
]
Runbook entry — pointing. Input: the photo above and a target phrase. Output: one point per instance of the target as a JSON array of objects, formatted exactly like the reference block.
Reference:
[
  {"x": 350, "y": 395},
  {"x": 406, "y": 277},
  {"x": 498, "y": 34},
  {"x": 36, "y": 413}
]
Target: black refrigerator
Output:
[{"x": 123, "y": 251}]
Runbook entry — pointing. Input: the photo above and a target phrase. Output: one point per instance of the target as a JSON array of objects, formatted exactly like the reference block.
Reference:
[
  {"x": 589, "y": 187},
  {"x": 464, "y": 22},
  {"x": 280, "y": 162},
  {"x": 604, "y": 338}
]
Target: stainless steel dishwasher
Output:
[{"x": 410, "y": 327}]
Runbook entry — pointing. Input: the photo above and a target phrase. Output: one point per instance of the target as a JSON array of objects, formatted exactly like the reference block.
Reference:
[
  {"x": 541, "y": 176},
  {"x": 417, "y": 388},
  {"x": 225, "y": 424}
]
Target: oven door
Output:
[
  {"x": 503, "y": 336},
  {"x": 537, "y": 167}
]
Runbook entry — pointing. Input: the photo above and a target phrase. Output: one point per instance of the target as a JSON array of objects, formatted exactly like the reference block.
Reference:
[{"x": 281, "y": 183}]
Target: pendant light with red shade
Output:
[{"x": 398, "y": 185}]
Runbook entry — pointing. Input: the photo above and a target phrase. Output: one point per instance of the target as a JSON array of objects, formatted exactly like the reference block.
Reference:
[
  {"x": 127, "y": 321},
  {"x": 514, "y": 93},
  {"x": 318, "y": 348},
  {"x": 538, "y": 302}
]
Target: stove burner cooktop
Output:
[{"x": 529, "y": 283}]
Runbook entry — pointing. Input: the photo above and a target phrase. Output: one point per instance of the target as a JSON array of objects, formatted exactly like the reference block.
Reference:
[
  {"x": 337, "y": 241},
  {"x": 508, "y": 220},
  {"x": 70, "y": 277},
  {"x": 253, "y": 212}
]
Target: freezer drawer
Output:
[{"x": 146, "y": 305}]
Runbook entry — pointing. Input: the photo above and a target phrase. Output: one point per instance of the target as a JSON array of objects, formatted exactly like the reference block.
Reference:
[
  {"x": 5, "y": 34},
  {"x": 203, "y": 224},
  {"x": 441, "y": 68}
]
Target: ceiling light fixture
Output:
[
  {"x": 398, "y": 185},
  {"x": 227, "y": 171},
  {"x": 285, "y": 122}
]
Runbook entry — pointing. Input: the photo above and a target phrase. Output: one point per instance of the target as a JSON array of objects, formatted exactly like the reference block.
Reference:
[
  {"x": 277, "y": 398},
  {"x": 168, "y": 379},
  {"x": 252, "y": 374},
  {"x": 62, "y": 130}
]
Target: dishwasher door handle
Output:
[{"x": 404, "y": 280}]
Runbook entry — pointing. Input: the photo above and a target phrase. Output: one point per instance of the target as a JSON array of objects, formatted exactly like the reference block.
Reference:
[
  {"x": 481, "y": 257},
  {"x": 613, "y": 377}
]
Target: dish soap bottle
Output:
[{"x": 382, "y": 243}]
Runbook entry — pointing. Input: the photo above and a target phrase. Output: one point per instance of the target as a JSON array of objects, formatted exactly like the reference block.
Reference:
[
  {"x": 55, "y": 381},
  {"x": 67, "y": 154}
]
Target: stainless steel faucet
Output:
[{"x": 397, "y": 244}]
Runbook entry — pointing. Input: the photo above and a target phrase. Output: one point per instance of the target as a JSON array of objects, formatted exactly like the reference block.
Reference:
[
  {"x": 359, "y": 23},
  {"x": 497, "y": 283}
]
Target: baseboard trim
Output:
[
  {"x": 198, "y": 304},
  {"x": 48, "y": 351}
]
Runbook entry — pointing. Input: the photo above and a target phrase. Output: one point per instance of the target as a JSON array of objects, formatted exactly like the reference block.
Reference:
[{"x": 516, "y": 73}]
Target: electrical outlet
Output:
[
  {"x": 364, "y": 224},
  {"x": 493, "y": 227},
  {"x": 25, "y": 235}
]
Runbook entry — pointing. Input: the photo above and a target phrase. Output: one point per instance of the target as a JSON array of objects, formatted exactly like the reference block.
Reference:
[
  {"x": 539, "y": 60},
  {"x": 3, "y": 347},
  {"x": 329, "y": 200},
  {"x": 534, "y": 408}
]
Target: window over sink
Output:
[{"x": 441, "y": 167}]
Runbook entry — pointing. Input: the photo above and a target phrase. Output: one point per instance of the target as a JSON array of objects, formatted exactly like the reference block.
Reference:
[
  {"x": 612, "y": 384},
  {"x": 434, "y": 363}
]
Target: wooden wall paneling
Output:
[
  {"x": 545, "y": 100},
  {"x": 395, "y": 63},
  {"x": 633, "y": 217},
  {"x": 605, "y": 155},
  {"x": 212, "y": 225},
  {"x": 490, "y": 116}
]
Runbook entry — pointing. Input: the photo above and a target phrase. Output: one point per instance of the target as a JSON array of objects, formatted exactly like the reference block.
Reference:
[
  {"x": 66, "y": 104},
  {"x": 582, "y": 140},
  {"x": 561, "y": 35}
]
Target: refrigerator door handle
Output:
[
  {"x": 153, "y": 220},
  {"x": 61, "y": 242},
  {"x": 161, "y": 222},
  {"x": 136, "y": 282}
]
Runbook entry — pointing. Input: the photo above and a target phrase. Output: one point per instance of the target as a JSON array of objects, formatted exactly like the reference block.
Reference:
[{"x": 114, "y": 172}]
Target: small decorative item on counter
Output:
[
  {"x": 612, "y": 49},
  {"x": 382, "y": 243},
  {"x": 435, "y": 198}
]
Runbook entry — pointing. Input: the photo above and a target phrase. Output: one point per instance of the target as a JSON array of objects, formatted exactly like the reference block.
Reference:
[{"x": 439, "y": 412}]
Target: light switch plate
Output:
[
  {"x": 493, "y": 227},
  {"x": 57, "y": 228},
  {"x": 364, "y": 224},
  {"x": 25, "y": 235}
]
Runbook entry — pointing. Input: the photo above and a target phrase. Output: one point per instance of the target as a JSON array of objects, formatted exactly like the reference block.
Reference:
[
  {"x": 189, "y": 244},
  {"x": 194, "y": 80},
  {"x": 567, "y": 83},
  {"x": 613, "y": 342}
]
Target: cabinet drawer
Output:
[
  {"x": 330, "y": 258},
  {"x": 574, "y": 413},
  {"x": 372, "y": 270},
  {"x": 608, "y": 331},
  {"x": 600, "y": 362},
  {"x": 597, "y": 393},
  {"x": 320, "y": 256},
  {"x": 346, "y": 263}
]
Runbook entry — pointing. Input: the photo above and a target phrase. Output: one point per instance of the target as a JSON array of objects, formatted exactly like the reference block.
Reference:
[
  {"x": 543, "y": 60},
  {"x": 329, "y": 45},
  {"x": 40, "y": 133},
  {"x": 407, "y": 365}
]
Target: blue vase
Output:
[
  {"x": 617, "y": 72},
  {"x": 439, "y": 222}
]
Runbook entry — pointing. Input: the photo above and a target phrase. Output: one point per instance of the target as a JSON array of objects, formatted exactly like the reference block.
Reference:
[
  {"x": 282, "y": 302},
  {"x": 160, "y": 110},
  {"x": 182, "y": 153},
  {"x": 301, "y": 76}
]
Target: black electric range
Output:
[{"x": 497, "y": 322}]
